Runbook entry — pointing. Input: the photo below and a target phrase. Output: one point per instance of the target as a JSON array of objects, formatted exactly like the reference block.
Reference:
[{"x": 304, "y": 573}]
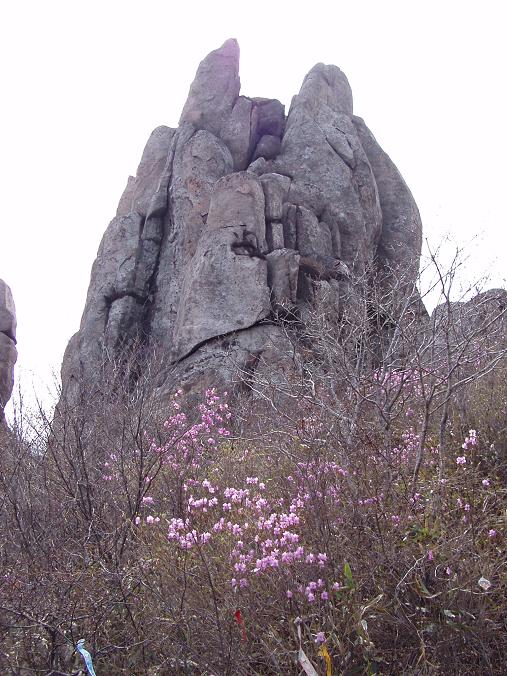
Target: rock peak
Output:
[
  {"x": 236, "y": 217},
  {"x": 325, "y": 84},
  {"x": 214, "y": 90},
  {"x": 230, "y": 45}
]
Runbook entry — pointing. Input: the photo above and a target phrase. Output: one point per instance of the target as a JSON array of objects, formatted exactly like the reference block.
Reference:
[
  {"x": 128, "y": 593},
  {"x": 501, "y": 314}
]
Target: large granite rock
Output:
[
  {"x": 399, "y": 245},
  {"x": 8, "y": 353},
  {"x": 238, "y": 217}
]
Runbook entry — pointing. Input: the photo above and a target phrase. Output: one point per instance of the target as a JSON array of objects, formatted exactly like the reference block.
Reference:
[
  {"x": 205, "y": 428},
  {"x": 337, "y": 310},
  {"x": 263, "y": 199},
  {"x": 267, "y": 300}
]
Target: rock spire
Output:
[{"x": 238, "y": 212}]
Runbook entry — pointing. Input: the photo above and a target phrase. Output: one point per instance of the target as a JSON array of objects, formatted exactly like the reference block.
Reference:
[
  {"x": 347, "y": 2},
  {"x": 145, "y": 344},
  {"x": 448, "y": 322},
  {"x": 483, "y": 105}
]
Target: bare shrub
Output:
[{"x": 358, "y": 498}]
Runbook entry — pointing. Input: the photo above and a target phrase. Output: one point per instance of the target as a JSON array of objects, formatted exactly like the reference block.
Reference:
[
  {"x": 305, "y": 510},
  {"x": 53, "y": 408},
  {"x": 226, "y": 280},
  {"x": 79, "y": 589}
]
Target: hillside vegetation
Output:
[{"x": 350, "y": 513}]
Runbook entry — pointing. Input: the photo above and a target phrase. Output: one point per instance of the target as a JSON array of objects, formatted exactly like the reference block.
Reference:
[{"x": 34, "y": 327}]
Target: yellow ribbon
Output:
[{"x": 323, "y": 652}]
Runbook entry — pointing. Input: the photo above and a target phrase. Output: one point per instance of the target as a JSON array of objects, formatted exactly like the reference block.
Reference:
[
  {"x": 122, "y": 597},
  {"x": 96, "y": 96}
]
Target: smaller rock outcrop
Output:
[
  {"x": 478, "y": 325},
  {"x": 8, "y": 352}
]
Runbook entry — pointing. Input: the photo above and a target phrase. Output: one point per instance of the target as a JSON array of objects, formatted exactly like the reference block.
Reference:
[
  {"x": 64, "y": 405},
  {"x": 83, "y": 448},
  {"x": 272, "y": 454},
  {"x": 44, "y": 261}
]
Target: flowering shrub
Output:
[
  {"x": 209, "y": 551},
  {"x": 339, "y": 540}
]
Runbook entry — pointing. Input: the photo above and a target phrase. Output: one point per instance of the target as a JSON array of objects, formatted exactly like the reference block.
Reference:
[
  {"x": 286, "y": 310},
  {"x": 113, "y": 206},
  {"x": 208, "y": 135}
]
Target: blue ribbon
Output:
[{"x": 86, "y": 656}]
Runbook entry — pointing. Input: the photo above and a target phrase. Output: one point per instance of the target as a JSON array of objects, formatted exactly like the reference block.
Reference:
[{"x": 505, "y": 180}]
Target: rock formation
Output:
[
  {"x": 239, "y": 212},
  {"x": 8, "y": 353},
  {"x": 478, "y": 325}
]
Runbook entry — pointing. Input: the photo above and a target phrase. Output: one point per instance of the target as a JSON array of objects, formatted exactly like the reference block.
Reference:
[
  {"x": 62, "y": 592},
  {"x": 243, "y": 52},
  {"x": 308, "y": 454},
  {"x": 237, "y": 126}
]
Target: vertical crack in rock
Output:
[{"x": 238, "y": 216}]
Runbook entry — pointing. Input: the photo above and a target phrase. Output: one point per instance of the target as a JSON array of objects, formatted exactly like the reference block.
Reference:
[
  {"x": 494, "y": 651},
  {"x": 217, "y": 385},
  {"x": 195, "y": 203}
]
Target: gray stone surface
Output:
[
  {"x": 8, "y": 353},
  {"x": 268, "y": 147},
  {"x": 274, "y": 235},
  {"x": 276, "y": 188},
  {"x": 283, "y": 272},
  {"x": 225, "y": 289},
  {"x": 239, "y": 212},
  {"x": 480, "y": 321},
  {"x": 313, "y": 238},
  {"x": 215, "y": 90},
  {"x": 331, "y": 174},
  {"x": 238, "y": 134},
  {"x": 399, "y": 246}
]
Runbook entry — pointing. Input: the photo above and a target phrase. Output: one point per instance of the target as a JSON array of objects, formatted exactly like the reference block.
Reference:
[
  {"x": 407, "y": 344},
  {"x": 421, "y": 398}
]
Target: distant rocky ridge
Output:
[
  {"x": 8, "y": 353},
  {"x": 480, "y": 321},
  {"x": 239, "y": 212}
]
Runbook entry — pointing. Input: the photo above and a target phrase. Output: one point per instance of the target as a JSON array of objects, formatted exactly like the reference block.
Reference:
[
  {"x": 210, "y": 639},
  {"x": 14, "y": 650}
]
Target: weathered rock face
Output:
[
  {"x": 8, "y": 353},
  {"x": 477, "y": 326},
  {"x": 239, "y": 212}
]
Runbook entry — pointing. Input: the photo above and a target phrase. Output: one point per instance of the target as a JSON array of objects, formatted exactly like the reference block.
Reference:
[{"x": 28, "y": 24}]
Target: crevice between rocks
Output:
[
  {"x": 10, "y": 335},
  {"x": 222, "y": 336}
]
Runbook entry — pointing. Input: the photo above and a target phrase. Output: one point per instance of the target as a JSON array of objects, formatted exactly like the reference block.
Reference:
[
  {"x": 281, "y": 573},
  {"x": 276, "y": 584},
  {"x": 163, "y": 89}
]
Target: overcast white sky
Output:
[{"x": 84, "y": 84}]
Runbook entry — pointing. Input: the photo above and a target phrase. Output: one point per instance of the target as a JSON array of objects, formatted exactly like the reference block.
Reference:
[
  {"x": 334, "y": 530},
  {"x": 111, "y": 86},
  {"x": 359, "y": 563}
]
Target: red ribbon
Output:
[{"x": 241, "y": 623}]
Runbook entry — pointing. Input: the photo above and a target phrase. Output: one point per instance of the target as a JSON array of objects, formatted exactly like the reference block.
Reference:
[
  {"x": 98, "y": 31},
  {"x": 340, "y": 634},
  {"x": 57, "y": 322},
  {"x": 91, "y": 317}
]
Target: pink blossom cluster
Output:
[
  {"x": 187, "y": 444},
  {"x": 409, "y": 380},
  {"x": 263, "y": 535},
  {"x": 318, "y": 480},
  {"x": 150, "y": 519},
  {"x": 373, "y": 500},
  {"x": 111, "y": 471},
  {"x": 186, "y": 449},
  {"x": 470, "y": 442},
  {"x": 262, "y": 532},
  {"x": 404, "y": 452}
]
